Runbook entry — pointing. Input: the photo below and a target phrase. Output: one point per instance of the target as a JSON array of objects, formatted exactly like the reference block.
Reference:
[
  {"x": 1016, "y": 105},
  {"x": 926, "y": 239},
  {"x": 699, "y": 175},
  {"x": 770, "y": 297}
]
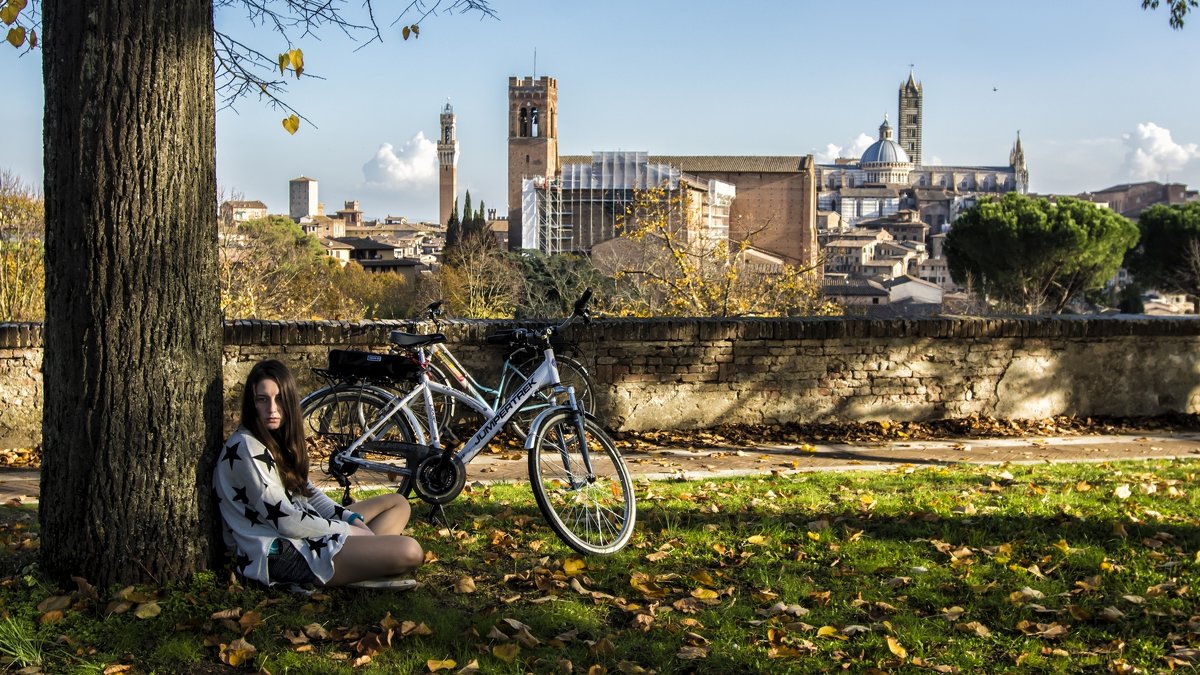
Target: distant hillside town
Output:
[{"x": 874, "y": 225}]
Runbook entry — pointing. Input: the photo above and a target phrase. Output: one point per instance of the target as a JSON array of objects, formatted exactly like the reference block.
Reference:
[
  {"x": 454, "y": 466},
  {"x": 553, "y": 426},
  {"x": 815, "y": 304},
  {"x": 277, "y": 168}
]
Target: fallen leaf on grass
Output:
[
  {"x": 147, "y": 610},
  {"x": 237, "y": 652},
  {"x": 52, "y": 616},
  {"x": 435, "y": 665},
  {"x": 953, "y": 614},
  {"x": 250, "y": 621},
  {"x": 506, "y": 652},
  {"x": 896, "y": 648},
  {"x": 316, "y": 631},
  {"x": 1025, "y": 595},
  {"x": 54, "y": 602},
  {"x": 464, "y": 585},
  {"x": 1048, "y": 631},
  {"x": 973, "y": 627},
  {"x": 692, "y": 652},
  {"x": 830, "y": 632}
]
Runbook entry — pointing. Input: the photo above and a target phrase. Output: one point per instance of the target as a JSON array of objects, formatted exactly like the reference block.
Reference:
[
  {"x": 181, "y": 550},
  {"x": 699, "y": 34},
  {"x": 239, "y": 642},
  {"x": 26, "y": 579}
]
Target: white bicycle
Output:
[{"x": 578, "y": 477}]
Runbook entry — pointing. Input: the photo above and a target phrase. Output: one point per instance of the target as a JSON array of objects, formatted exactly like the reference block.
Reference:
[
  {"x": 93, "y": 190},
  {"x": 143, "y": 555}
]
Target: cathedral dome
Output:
[
  {"x": 885, "y": 151},
  {"x": 885, "y": 161}
]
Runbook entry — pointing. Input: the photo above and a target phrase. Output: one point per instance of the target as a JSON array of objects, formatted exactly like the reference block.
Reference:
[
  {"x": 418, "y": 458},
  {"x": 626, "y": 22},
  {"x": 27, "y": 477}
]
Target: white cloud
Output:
[
  {"x": 414, "y": 165},
  {"x": 1151, "y": 153},
  {"x": 854, "y": 149}
]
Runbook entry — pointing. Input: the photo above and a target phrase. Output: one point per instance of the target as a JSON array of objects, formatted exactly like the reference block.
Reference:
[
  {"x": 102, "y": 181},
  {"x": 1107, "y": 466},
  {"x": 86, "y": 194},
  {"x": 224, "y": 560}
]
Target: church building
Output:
[
  {"x": 889, "y": 177},
  {"x": 773, "y": 200}
]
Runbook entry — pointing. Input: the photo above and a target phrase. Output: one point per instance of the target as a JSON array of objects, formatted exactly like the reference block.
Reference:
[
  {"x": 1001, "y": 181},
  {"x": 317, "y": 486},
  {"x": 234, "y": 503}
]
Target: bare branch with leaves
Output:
[
  {"x": 671, "y": 268},
  {"x": 22, "y": 259}
]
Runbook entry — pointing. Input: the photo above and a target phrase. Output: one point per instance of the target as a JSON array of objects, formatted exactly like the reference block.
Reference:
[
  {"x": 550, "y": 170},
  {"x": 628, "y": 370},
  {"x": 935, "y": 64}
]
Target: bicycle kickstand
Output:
[
  {"x": 347, "y": 500},
  {"x": 437, "y": 515}
]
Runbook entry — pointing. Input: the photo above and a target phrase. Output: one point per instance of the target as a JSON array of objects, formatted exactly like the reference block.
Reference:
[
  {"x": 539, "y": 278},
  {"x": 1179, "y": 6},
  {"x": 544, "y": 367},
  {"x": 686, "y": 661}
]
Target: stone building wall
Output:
[{"x": 694, "y": 373}]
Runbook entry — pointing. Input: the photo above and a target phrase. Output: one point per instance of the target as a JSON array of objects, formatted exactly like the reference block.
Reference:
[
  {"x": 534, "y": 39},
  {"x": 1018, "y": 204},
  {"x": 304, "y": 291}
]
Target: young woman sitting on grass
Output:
[{"x": 278, "y": 526}]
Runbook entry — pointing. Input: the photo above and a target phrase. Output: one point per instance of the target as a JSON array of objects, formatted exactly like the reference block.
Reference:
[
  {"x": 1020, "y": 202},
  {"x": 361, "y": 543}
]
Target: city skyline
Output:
[{"x": 1092, "y": 93}]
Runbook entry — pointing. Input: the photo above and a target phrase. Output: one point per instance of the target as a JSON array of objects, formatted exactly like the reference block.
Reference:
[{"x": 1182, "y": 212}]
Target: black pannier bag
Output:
[{"x": 371, "y": 365}]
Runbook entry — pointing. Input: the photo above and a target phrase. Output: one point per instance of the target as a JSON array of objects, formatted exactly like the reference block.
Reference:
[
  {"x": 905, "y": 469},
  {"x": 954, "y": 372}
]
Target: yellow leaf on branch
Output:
[
  {"x": 291, "y": 123},
  {"x": 16, "y": 36},
  {"x": 296, "y": 58}
]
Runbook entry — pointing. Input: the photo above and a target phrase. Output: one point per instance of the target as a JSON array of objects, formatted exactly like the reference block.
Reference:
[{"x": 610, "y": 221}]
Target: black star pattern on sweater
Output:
[
  {"x": 231, "y": 454},
  {"x": 266, "y": 459},
  {"x": 339, "y": 512},
  {"x": 274, "y": 513},
  {"x": 316, "y": 545},
  {"x": 305, "y": 512},
  {"x": 243, "y": 561},
  {"x": 239, "y": 495},
  {"x": 252, "y": 516}
]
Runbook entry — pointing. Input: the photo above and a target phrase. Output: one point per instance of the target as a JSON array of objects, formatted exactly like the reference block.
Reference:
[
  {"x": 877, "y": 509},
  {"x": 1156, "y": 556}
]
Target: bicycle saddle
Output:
[{"x": 402, "y": 339}]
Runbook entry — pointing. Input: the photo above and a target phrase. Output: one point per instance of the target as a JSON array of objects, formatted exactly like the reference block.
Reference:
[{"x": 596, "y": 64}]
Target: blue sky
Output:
[{"x": 1101, "y": 91}]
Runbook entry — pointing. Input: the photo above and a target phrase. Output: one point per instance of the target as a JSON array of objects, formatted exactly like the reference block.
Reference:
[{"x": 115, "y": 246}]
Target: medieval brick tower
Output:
[
  {"x": 447, "y": 148},
  {"x": 532, "y": 141},
  {"x": 911, "y": 119}
]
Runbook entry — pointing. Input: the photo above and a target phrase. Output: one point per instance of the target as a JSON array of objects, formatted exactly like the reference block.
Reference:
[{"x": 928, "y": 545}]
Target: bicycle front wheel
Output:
[
  {"x": 581, "y": 485},
  {"x": 334, "y": 418}
]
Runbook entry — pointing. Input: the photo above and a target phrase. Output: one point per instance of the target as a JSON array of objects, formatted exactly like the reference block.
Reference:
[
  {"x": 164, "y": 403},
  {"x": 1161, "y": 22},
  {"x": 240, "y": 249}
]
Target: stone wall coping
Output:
[{"x": 246, "y": 332}]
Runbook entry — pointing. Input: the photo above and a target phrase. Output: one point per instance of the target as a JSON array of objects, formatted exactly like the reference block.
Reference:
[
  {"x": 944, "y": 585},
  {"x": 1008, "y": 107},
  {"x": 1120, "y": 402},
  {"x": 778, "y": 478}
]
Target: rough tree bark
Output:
[{"x": 133, "y": 329}]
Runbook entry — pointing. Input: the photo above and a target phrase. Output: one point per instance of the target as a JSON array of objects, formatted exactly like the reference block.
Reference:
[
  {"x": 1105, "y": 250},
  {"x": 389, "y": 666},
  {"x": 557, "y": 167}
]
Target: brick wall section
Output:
[
  {"x": 20, "y": 384},
  {"x": 687, "y": 373}
]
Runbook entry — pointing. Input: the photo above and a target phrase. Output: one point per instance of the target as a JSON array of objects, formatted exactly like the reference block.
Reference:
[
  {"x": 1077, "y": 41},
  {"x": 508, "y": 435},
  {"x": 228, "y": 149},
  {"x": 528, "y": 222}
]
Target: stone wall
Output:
[{"x": 691, "y": 373}]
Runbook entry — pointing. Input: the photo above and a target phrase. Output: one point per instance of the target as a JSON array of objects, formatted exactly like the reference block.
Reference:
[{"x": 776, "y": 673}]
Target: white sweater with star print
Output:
[{"x": 256, "y": 510}]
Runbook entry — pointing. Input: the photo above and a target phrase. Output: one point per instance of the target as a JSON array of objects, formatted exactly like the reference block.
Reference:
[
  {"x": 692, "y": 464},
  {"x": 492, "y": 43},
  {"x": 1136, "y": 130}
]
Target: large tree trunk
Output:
[{"x": 133, "y": 333}]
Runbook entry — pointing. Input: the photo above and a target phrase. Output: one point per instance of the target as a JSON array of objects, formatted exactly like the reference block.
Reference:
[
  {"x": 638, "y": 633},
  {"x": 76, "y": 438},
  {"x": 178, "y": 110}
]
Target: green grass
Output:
[{"x": 965, "y": 569}]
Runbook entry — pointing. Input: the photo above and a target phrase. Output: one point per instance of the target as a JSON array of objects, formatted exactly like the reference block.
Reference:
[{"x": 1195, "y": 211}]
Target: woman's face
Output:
[{"x": 268, "y": 402}]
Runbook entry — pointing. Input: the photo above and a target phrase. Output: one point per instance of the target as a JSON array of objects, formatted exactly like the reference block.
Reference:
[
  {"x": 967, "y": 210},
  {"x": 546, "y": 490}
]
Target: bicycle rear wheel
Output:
[
  {"x": 335, "y": 417},
  {"x": 592, "y": 511},
  {"x": 572, "y": 373}
]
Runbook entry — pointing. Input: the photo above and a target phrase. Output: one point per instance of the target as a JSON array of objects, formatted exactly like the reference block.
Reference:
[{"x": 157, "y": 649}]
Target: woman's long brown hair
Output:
[{"x": 285, "y": 444}]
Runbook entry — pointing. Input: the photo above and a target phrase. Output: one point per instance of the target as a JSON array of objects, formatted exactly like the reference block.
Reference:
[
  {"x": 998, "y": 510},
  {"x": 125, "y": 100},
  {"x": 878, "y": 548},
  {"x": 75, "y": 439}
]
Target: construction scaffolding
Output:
[{"x": 589, "y": 203}]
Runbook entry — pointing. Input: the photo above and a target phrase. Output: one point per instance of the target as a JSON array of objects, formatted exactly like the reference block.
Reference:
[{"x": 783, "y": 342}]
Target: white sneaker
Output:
[{"x": 389, "y": 583}]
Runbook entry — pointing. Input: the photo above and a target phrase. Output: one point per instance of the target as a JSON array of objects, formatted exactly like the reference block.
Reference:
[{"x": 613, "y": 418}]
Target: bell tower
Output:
[
  {"x": 911, "y": 118},
  {"x": 532, "y": 141},
  {"x": 447, "y": 149}
]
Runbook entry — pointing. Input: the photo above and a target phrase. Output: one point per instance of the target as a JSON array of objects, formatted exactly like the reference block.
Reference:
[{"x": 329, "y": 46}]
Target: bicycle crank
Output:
[{"x": 439, "y": 479}]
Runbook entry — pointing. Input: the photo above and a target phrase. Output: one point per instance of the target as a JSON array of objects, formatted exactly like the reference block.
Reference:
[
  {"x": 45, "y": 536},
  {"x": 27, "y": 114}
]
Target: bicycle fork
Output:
[{"x": 577, "y": 419}]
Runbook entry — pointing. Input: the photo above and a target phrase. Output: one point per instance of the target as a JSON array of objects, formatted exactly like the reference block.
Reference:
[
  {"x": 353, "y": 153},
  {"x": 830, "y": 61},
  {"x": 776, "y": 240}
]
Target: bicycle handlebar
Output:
[{"x": 581, "y": 303}]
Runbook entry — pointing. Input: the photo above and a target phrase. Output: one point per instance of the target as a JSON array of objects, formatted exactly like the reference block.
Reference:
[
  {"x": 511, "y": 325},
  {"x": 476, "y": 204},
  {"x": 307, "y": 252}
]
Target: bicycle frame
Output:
[{"x": 545, "y": 375}]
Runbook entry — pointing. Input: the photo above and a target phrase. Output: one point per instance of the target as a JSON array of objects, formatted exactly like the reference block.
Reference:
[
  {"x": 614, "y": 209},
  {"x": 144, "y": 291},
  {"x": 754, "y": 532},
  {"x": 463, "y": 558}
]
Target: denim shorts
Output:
[{"x": 288, "y": 566}]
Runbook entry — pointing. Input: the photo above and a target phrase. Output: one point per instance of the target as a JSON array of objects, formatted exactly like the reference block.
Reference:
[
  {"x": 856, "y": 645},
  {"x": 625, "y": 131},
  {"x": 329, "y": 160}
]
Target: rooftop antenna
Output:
[{"x": 535, "y": 63}]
